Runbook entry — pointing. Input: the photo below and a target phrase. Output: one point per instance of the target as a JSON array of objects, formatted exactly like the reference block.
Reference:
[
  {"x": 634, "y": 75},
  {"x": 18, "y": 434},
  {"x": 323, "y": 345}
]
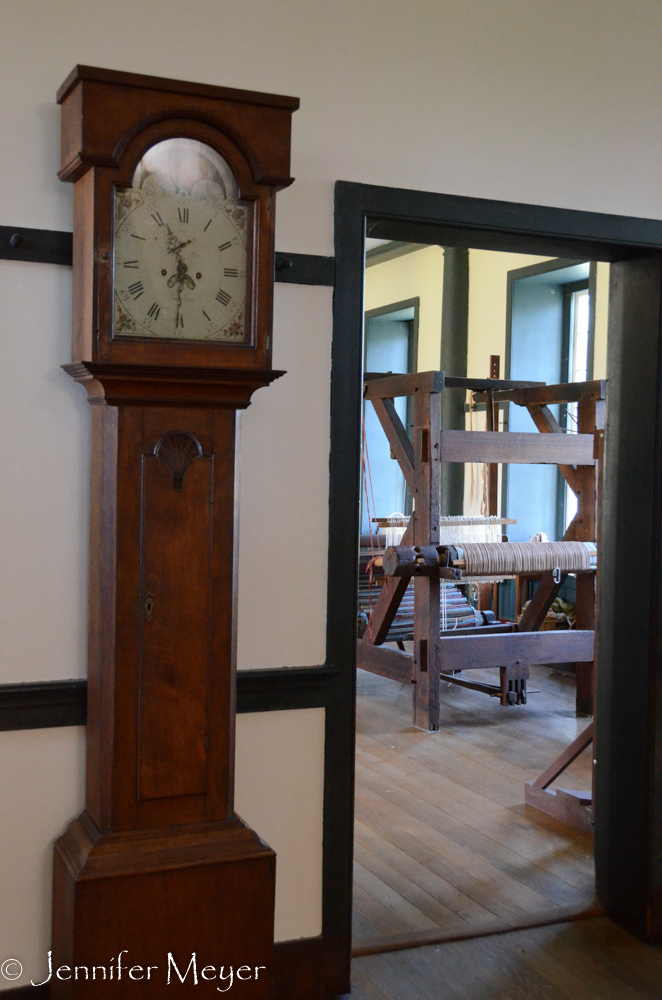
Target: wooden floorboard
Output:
[
  {"x": 443, "y": 838},
  {"x": 585, "y": 960}
]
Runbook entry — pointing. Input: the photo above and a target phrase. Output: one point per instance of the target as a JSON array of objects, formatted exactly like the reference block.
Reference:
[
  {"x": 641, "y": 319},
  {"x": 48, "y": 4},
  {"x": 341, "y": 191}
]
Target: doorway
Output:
[
  {"x": 627, "y": 846},
  {"x": 444, "y": 842}
]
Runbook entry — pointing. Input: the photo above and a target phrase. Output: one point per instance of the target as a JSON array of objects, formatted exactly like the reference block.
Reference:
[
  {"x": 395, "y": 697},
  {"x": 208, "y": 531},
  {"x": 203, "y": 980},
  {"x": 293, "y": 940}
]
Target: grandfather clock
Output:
[{"x": 174, "y": 192}]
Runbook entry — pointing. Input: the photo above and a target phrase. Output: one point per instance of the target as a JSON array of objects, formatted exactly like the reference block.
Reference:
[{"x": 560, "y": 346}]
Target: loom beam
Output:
[{"x": 447, "y": 561}]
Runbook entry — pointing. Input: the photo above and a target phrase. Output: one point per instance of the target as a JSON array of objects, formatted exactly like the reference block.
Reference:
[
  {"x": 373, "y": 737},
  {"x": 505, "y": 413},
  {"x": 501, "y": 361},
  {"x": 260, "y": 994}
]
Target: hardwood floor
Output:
[
  {"x": 585, "y": 960},
  {"x": 443, "y": 839}
]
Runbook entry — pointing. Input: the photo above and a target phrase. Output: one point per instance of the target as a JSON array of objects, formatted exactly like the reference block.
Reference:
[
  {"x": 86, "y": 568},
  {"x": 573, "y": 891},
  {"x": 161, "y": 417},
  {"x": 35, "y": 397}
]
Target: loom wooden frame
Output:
[{"x": 437, "y": 656}]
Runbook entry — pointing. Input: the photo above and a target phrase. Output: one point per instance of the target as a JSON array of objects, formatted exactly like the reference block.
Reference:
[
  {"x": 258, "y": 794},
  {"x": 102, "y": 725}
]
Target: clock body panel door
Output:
[
  {"x": 176, "y": 554},
  {"x": 164, "y": 753}
]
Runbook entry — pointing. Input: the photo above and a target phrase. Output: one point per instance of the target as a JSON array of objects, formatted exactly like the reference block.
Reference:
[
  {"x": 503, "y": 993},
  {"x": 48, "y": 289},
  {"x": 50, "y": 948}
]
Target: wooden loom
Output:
[{"x": 512, "y": 647}]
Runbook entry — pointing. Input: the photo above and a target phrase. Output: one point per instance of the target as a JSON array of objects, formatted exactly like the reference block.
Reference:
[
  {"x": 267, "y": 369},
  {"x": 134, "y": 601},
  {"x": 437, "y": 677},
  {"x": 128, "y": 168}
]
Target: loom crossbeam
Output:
[
  {"x": 548, "y": 395},
  {"x": 516, "y": 448},
  {"x": 475, "y": 652}
]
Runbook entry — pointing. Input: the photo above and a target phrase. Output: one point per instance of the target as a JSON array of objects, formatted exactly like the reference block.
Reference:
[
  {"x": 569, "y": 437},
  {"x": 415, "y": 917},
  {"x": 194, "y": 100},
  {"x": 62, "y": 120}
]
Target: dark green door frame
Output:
[{"x": 629, "y": 756}]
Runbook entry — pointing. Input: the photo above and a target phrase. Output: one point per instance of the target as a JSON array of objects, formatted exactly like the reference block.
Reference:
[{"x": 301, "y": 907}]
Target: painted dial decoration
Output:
[{"x": 181, "y": 248}]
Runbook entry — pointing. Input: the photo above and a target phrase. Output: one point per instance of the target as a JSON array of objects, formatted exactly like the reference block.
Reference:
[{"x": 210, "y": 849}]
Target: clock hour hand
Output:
[{"x": 172, "y": 239}]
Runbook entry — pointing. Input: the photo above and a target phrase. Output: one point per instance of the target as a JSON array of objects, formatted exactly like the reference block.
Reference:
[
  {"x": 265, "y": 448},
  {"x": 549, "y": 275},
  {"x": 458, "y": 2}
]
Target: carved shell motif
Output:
[{"x": 178, "y": 450}]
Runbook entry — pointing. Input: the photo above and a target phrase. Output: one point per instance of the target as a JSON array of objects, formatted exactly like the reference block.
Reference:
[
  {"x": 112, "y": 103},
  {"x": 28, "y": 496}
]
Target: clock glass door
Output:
[{"x": 181, "y": 248}]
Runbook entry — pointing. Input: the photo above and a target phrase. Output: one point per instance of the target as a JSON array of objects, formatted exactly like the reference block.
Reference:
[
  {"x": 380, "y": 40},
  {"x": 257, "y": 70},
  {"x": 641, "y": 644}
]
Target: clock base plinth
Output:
[{"x": 205, "y": 890}]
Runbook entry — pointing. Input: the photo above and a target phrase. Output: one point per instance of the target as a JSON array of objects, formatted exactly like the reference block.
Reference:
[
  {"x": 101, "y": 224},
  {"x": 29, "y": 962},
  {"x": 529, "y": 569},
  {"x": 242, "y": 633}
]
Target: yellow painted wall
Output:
[
  {"x": 601, "y": 318},
  {"x": 414, "y": 275}
]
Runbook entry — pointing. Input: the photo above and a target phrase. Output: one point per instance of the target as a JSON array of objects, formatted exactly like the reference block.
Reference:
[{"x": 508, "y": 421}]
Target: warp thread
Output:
[{"x": 527, "y": 557}]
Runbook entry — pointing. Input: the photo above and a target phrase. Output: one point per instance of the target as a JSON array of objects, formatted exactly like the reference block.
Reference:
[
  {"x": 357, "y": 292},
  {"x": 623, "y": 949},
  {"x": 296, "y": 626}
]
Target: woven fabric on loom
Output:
[{"x": 526, "y": 557}]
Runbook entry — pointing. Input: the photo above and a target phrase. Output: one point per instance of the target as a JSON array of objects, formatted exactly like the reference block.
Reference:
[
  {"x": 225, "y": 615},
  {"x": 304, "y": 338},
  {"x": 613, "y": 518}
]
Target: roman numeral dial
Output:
[{"x": 180, "y": 264}]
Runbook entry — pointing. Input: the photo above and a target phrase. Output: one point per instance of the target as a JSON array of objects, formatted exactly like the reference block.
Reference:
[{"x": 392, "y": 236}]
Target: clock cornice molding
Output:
[
  {"x": 163, "y": 385},
  {"x": 259, "y": 124},
  {"x": 147, "y": 82}
]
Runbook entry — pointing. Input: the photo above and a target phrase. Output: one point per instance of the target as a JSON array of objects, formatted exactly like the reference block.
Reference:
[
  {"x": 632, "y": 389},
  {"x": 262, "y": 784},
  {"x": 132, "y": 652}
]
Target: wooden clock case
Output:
[{"x": 159, "y": 862}]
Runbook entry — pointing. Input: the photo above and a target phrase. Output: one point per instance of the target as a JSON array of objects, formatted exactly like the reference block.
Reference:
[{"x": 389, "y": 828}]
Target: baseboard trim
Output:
[
  {"x": 23, "y": 992},
  {"x": 311, "y": 969},
  {"x": 487, "y": 928}
]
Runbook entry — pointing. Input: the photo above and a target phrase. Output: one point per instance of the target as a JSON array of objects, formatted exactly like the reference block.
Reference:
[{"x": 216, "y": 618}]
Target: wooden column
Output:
[
  {"x": 492, "y": 424},
  {"x": 427, "y": 441},
  {"x": 454, "y": 339},
  {"x": 584, "y": 528}
]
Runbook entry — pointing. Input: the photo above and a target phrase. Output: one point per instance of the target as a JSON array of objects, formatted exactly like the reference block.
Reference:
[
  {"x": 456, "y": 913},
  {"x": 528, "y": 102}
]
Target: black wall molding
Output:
[
  {"x": 305, "y": 269},
  {"x": 283, "y": 688},
  {"x": 43, "y": 705},
  {"x": 50, "y": 246},
  {"x": 43, "y": 246},
  {"x": 51, "y": 704}
]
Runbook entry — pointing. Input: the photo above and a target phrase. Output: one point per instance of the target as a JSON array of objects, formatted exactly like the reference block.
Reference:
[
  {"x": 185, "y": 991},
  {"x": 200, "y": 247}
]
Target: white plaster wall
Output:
[
  {"x": 42, "y": 787},
  {"x": 280, "y": 795},
  {"x": 44, "y": 458},
  {"x": 544, "y": 102},
  {"x": 283, "y": 512}
]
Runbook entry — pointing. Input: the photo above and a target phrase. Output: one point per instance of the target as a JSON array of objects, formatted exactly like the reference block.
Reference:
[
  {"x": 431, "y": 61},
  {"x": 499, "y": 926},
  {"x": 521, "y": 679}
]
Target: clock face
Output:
[{"x": 180, "y": 254}]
